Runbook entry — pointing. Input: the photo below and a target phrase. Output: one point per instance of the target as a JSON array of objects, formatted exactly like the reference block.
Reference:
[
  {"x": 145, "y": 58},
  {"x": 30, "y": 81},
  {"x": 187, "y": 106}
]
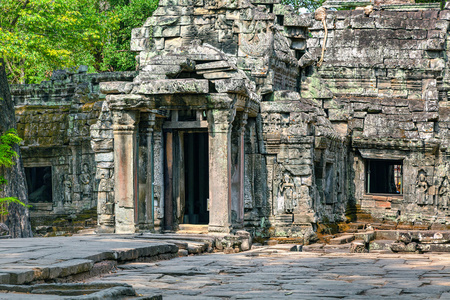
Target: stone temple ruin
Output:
[{"x": 232, "y": 121}]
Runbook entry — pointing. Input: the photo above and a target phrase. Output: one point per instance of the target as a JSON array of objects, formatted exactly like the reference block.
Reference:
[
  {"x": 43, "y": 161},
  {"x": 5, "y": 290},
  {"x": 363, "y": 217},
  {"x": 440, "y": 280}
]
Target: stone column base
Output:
[
  {"x": 219, "y": 228},
  {"x": 104, "y": 229}
]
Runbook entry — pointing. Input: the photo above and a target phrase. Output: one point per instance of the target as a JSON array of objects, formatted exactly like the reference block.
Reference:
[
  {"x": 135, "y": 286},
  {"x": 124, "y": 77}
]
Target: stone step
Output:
[
  {"x": 10, "y": 274},
  {"x": 381, "y": 245},
  {"x": 193, "y": 229},
  {"x": 420, "y": 236},
  {"x": 344, "y": 239},
  {"x": 96, "y": 290},
  {"x": 182, "y": 237},
  {"x": 434, "y": 247},
  {"x": 358, "y": 247},
  {"x": 386, "y": 234},
  {"x": 365, "y": 236}
]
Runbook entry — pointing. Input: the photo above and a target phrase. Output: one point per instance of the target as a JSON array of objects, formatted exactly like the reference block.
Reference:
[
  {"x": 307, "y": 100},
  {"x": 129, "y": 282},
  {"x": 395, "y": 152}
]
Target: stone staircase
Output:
[{"x": 389, "y": 241}]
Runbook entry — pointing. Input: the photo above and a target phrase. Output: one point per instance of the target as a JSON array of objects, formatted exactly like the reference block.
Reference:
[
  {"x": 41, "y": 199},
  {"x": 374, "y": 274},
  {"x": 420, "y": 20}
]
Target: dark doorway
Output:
[
  {"x": 196, "y": 178},
  {"x": 384, "y": 176},
  {"x": 39, "y": 181}
]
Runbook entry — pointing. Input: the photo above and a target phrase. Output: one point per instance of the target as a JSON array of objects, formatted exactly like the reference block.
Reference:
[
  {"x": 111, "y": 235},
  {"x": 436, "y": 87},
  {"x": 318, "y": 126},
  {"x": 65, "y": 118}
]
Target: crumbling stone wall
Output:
[
  {"x": 54, "y": 120},
  {"x": 306, "y": 165},
  {"x": 250, "y": 49},
  {"x": 289, "y": 143},
  {"x": 388, "y": 71}
]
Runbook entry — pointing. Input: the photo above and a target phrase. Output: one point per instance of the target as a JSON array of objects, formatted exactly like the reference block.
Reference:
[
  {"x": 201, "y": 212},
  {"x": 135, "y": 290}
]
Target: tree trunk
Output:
[{"x": 19, "y": 217}]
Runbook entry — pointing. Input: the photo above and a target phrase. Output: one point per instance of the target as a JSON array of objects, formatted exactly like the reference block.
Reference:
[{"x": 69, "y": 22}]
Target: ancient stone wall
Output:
[
  {"x": 53, "y": 119},
  {"x": 388, "y": 71},
  {"x": 306, "y": 165},
  {"x": 287, "y": 143}
]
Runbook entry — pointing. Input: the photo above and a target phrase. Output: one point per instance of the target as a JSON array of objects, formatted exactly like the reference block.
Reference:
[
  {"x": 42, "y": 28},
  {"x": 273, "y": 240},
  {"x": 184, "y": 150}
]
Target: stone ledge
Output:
[
  {"x": 19, "y": 275},
  {"x": 173, "y": 86}
]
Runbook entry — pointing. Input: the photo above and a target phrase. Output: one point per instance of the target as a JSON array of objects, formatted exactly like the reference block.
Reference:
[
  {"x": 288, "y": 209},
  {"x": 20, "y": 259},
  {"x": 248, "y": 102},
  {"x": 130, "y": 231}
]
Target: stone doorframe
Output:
[{"x": 125, "y": 123}]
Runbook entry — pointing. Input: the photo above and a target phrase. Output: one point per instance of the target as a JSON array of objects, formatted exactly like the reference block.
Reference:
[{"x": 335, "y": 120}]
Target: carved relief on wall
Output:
[
  {"x": 224, "y": 28},
  {"x": 285, "y": 195},
  {"x": 257, "y": 39},
  {"x": 422, "y": 188},
  {"x": 444, "y": 194},
  {"x": 85, "y": 180},
  {"x": 67, "y": 184},
  {"x": 272, "y": 123},
  {"x": 287, "y": 189},
  {"x": 105, "y": 187},
  {"x": 215, "y": 4}
]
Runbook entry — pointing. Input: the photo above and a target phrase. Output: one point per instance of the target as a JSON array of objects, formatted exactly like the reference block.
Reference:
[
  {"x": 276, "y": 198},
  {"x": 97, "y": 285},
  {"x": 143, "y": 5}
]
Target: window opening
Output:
[
  {"x": 187, "y": 115},
  {"x": 384, "y": 176},
  {"x": 39, "y": 182}
]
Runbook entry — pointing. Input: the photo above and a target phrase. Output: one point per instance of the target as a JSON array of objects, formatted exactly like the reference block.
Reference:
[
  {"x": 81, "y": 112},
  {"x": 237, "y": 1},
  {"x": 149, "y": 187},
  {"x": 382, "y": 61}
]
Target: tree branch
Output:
[{"x": 13, "y": 23}]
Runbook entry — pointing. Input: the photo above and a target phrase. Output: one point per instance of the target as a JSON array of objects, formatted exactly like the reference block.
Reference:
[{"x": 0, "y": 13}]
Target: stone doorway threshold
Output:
[{"x": 193, "y": 229}]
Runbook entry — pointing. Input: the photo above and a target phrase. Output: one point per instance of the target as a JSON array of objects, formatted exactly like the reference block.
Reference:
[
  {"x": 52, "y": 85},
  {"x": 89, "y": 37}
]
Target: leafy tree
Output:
[
  {"x": 131, "y": 14},
  {"x": 7, "y": 159},
  {"x": 38, "y": 36},
  {"x": 310, "y": 5}
]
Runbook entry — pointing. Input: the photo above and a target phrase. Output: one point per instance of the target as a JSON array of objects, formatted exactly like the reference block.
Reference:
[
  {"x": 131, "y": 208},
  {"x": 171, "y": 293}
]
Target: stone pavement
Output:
[
  {"x": 268, "y": 272},
  {"x": 33, "y": 259},
  {"x": 274, "y": 274}
]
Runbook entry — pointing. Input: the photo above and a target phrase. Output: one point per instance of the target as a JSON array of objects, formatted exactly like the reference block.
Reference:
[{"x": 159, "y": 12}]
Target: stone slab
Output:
[
  {"x": 174, "y": 86},
  {"x": 27, "y": 260},
  {"x": 342, "y": 239}
]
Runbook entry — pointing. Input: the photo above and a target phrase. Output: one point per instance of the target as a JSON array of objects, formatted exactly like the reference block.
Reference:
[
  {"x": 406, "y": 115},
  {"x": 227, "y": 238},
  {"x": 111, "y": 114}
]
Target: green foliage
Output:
[
  {"x": 7, "y": 156},
  {"x": 39, "y": 36},
  {"x": 9, "y": 200},
  {"x": 132, "y": 14},
  {"x": 310, "y": 5},
  {"x": 433, "y": 1}
]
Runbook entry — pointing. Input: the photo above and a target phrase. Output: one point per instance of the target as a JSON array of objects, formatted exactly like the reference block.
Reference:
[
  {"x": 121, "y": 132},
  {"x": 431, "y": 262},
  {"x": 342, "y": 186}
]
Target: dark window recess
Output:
[
  {"x": 39, "y": 181},
  {"x": 187, "y": 115},
  {"x": 280, "y": 20},
  {"x": 384, "y": 176}
]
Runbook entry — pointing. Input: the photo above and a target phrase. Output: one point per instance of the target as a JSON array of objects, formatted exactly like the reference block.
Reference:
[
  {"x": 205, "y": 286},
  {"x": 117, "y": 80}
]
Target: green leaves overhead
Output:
[
  {"x": 132, "y": 14},
  {"x": 39, "y": 36}
]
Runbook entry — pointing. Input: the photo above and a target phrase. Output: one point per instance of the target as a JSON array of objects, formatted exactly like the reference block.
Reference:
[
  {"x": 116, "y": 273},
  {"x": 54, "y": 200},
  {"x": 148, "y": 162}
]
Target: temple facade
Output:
[{"x": 244, "y": 115}]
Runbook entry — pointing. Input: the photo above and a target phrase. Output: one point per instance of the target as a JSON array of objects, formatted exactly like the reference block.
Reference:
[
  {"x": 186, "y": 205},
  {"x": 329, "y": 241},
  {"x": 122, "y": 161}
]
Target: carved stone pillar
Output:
[
  {"x": 125, "y": 166},
  {"x": 158, "y": 175},
  {"x": 146, "y": 172},
  {"x": 219, "y": 170},
  {"x": 242, "y": 123}
]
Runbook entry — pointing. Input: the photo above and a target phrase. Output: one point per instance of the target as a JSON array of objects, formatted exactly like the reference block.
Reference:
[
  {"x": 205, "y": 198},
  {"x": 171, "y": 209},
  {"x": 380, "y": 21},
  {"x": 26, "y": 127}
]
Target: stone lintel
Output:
[
  {"x": 237, "y": 86},
  {"x": 397, "y": 144},
  {"x": 223, "y": 100},
  {"x": 347, "y": 3},
  {"x": 286, "y": 106},
  {"x": 130, "y": 101},
  {"x": 293, "y": 20},
  {"x": 173, "y": 86},
  {"x": 116, "y": 87}
]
